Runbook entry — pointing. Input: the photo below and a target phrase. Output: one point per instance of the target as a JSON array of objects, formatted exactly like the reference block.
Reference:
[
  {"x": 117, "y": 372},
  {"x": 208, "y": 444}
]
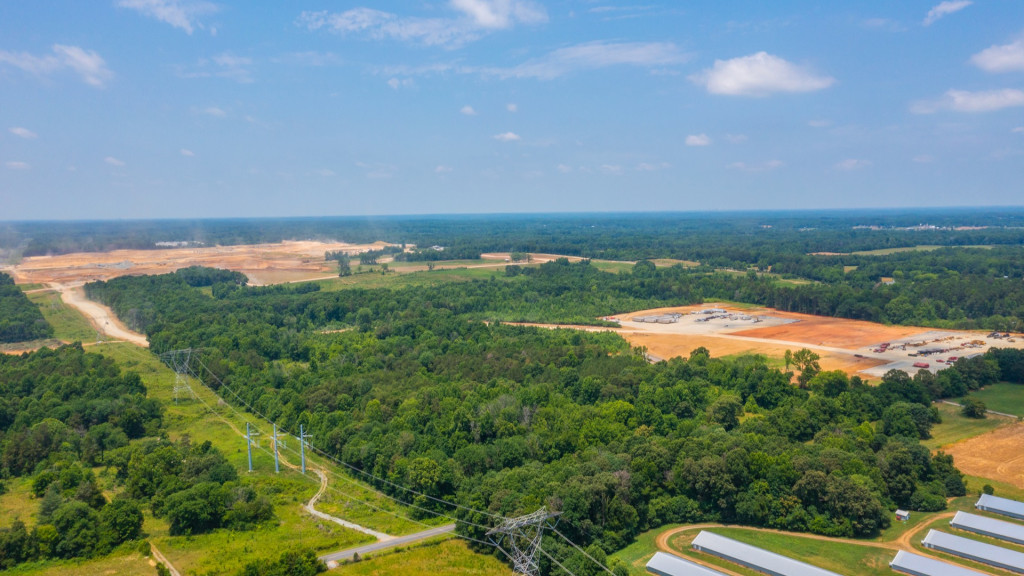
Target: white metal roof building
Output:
[
  {"x": 999, "y": 529},
  {"x": 974, "y": 550},
  {"x": 753, "y": 557},
  {"x": 917, "y": 565},
  {"x": 664, "y": 564},
  {"x": 1004, "y": 506}
]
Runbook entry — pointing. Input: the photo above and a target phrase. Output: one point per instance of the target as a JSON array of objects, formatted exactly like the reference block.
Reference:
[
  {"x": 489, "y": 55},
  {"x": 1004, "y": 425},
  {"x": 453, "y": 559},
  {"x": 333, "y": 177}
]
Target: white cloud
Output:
[
  {"x": 396, "y": 83},
  {"x": 819, "y": 123},
  {"x": 736, "y": 138},
  {"x": 613, "y": 169},
  {"x": 23, "y": 132},
  {"x": 442, "y": 169},
  {"x": 853, "y": 164},
  {"x": 468, "y": 110},
  {"x": 113, "y": 161},
  {"x": 1005, "y": 58},
  {"x": 187, "y": 152},
  {"x": 564, "y": 168},
  {"x": 507, "y": 137},
  {"x": 1018, "y": 130},
  {"x": 945, "y": 8},
  {"x": 964, "y": 101},
  {"x": 86, "y": 63},
  {"x": 757, "y": 167},
  {"x": 759, "y": 74},
  {"x": 698, "y": 140},
  {"x": 593, "y": 55},
  {"x": 17, "y": 165},
  {"x": 472, "y": 19},
  {"x": 214, "y": 111},
  {"x": 177, "y": 13},
  {"x": 226, "y": 65},
  {"x": 512, "y": 107},
  {"x": 310, "y": 58},
  {"x": 325, "y": 172}
]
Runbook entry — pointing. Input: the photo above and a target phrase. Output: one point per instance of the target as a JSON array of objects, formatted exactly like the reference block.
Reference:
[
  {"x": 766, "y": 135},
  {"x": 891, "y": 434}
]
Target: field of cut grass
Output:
[
  {"x": 451, "y": 556},
  {"x": 1002, "y": 397},
  {"x": 956, "y": 427},
  {"x": 68, "y": 324}
]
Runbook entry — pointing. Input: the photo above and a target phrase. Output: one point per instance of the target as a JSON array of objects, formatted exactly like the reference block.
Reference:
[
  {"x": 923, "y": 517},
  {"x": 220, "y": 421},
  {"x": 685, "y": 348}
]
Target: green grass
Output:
[
  {"x": 402, "y": 280},
  {"x": 1002, "y": 397},
  {"x": 613, "y": 267},
  {"x": 956, "y": 427},
  {"x": 450, "y": 556},
  {"x": 27, "y": 287},
  {"x": 121, "y": 561},
  {"x": 18, "y": 502},
  {"x": 838, "y": 557},
  {"x": 68, "y": 323},
  {"x": 636, "y": 555}
]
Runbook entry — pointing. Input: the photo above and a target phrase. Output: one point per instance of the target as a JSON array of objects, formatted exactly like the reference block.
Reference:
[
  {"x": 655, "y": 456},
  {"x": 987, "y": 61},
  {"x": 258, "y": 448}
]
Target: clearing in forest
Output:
[{"x": 998, "y": 455}]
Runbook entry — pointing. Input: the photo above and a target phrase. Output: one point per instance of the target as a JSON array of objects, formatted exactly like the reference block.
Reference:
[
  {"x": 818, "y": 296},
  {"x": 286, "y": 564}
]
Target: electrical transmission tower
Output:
[
  {"x": 181, "y": 362},
  {"x": 521, "y": 537}
]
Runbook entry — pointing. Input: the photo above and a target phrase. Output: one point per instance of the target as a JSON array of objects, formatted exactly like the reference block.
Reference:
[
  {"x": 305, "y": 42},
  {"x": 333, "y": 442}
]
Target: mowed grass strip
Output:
[
  {"x": 839, "y": 557},
  {"x": 1002, "y": 397},
  {"x": 451, "y": 556},
  {"x": 68, "y": 323},
  {"x": 956, "y": 427}
]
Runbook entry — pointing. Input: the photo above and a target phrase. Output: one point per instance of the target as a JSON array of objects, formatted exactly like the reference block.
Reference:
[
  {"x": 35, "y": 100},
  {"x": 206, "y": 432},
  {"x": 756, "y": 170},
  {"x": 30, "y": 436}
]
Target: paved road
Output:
[{"x": 333, "y": 558}]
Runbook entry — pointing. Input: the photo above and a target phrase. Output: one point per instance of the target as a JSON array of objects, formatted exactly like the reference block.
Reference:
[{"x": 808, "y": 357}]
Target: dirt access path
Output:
[{"x": 101, "y": 317}]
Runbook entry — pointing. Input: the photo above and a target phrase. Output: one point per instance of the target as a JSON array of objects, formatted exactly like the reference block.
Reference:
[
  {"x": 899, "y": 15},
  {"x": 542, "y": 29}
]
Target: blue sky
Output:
[{"x": 196, "y": 108}]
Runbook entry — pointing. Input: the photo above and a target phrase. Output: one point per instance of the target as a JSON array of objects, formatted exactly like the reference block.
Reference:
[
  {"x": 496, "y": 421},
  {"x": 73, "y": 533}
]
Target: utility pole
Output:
[
  {"x": 248, "y": 443},
  {"x": 277, "y": 465},
  {"x": 302, "y": 445}
]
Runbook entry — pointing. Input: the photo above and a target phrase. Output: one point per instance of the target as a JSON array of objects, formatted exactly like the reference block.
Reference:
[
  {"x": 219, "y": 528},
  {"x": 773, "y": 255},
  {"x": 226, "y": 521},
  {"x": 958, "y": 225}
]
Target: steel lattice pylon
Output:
[
  {"x": 521, "y": 538},
  {"x": 181, "y": 362}
]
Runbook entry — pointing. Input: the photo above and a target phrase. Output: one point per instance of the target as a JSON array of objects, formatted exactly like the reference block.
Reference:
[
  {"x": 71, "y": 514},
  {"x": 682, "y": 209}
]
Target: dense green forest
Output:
[
  {"x": 64, "y": 412},
  {"x": 20, "y": 319},
  {"x": 504, "y": 418}
]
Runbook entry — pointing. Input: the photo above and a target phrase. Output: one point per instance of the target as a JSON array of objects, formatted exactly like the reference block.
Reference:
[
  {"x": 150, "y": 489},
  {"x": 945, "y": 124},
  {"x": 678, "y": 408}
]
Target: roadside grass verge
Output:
[{"x": 68, "y": 323}]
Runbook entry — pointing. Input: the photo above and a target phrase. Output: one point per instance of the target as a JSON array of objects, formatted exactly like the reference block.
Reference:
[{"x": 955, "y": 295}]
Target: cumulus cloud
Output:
[
  {"x": 853, "y": 164},
  {"x": 396, "y": 83},
  {"x": 507, "y": 137},
  {"x": 759, "y": 74},
  {"x": 593, "y": 55},
  {"x": 471, "y": 20},
  {"x": 86, "y": 63},
  {"x": 187, "y": 152},
  {"x": 17, "y": 165},
  {"x": 181, "y": 14},
  {"x": 468, "y": 110},
  {"x": 512, "y": 107},
  {"x": 113, "y": 161},
  {"x": 944, "y": 9},
  {"x": 22, "y": 132},
  {"x": 757, "y": 167},
  {"x": 1005, "y": 58},
  {"x": 964, "y": 101},
  {"x": 698, "y": 140}
]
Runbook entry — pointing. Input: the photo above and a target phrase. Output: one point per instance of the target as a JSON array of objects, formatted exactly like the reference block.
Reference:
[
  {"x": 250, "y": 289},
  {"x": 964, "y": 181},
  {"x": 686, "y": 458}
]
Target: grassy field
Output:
[
  {"x": 122, "y": 561},
  {"x": 401, "y": 280},
  {"x": 451, "y": 556},
  {"x": 68, "y": 324},
  {"x": 1002, "y": 397},
  {"x": 956, "y": 427},
  {"x": 838, "y": 557},
  {"x": 18, "y": 503}
]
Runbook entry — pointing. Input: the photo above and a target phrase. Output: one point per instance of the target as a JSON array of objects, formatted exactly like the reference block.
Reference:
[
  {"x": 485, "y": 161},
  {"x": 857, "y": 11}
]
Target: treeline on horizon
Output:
[
  {"x": 507, "y": 418},
  {"x": 734, "y": 237}
]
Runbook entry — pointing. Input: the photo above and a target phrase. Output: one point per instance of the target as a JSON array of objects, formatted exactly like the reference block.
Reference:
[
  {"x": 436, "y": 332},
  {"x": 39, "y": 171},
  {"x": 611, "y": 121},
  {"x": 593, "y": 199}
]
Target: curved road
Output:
[{"x": 101, "y": 317}]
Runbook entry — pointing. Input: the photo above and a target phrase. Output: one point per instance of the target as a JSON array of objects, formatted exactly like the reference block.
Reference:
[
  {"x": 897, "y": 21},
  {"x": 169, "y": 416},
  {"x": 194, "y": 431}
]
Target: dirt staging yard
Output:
[
  {"x": 263, "y": 263},
  {"x": 998, "y": 455},
  {"x": 825, "y": 331}
]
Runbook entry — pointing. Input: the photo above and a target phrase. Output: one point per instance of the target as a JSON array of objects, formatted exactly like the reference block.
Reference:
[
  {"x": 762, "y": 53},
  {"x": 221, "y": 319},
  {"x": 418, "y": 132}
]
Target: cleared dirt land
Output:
[
  {"x": 998, "y": 455},
  {"x": 263, "y": 263}
]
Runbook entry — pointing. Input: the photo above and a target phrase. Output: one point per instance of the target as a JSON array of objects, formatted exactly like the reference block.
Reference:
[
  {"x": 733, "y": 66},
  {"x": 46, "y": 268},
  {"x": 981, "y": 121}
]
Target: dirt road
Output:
[{"x": 101, "y": 317}]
